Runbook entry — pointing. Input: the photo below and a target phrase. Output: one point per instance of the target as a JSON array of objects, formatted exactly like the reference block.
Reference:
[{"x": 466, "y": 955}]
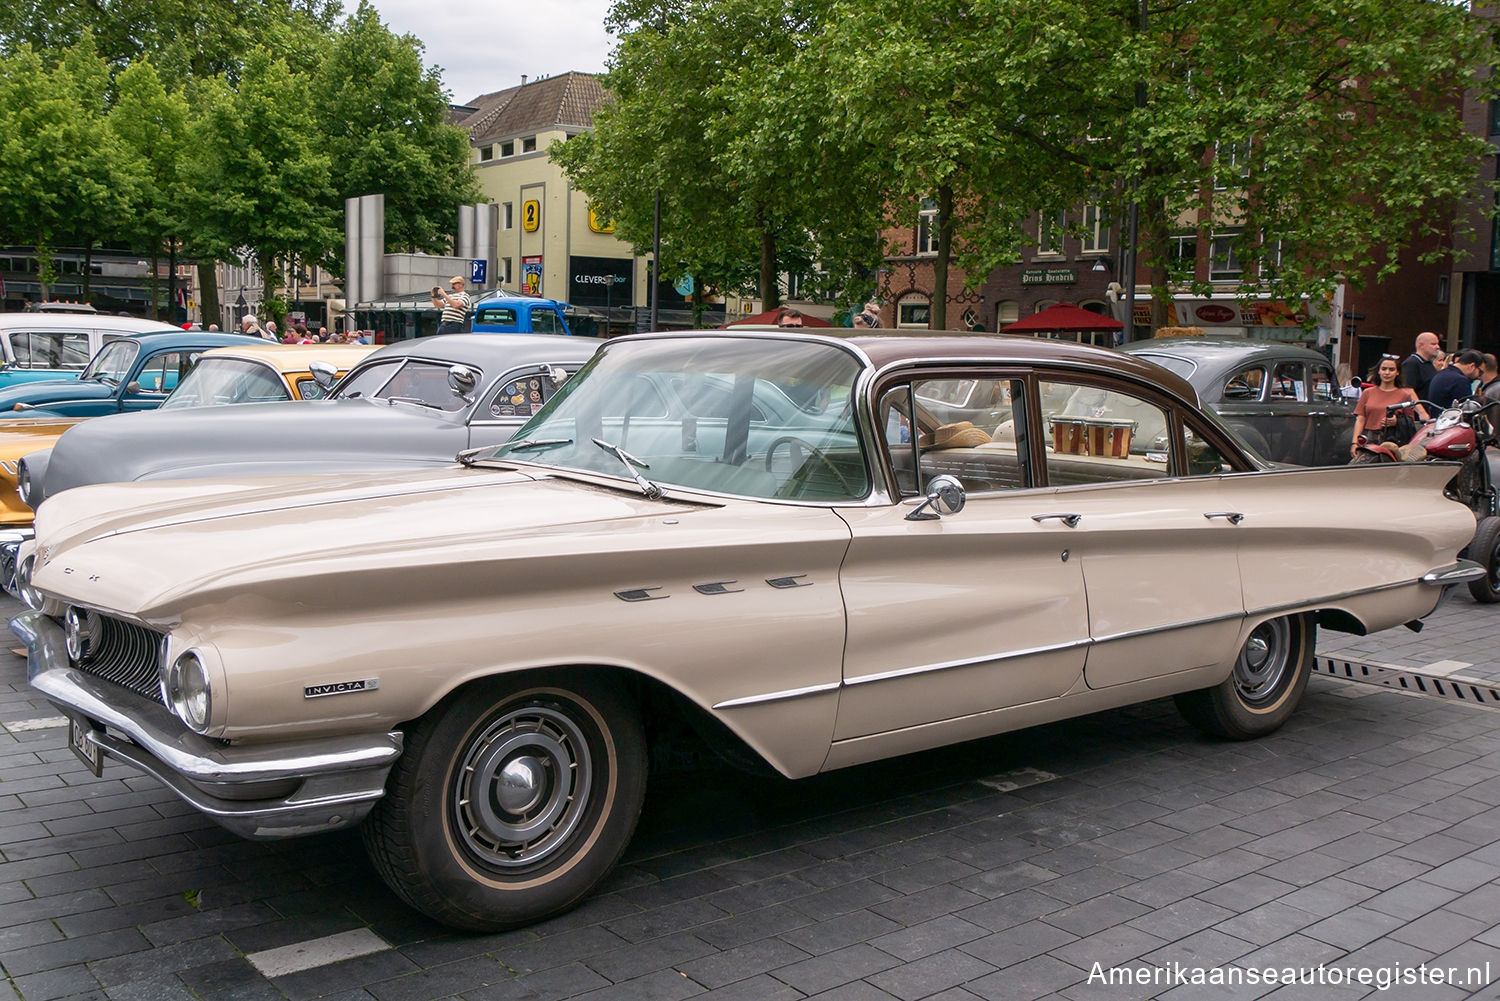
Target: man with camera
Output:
[{"x": 455, "y": 306}]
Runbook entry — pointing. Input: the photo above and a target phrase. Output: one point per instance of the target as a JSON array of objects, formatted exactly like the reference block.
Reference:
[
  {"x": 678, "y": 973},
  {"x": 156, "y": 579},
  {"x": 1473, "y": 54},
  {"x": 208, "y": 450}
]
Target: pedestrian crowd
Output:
[
  {"x": 1427, "y": 379},
  {"x": 298, "y": 333}
]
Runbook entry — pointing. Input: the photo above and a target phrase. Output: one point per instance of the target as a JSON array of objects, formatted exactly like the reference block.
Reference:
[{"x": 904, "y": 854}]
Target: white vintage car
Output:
[{"x": 768, "y": 538}]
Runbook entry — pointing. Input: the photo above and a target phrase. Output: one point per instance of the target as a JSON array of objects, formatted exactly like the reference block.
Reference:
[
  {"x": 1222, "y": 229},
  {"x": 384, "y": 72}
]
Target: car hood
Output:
[
  {"x": 253, "y": 439},
  {"x": 23, "y": 435},
  {"x": 150, "y": 550},
  {"x": 40, "y": 394}
]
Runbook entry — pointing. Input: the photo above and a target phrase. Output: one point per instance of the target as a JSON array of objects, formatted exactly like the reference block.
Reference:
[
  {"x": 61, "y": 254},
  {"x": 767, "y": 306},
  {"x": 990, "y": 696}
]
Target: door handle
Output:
[
  {"x": 1071, "y": 520},
  {"x": 1233, "y": 517}
]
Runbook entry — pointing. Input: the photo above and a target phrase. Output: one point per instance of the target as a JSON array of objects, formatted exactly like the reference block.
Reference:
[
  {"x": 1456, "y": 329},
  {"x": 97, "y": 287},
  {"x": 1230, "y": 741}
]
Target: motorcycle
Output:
[{"x": 1464, "y": 433}]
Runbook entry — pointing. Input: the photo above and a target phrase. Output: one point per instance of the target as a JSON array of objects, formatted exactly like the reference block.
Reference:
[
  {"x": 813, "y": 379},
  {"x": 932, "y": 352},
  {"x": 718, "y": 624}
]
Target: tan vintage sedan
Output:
[{"x": 769, "y": 538}]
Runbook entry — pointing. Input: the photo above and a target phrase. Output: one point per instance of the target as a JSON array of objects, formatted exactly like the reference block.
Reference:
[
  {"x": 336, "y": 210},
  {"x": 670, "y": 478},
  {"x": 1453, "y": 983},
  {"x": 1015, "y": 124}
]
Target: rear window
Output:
[{"x": 1172, "y": 363}]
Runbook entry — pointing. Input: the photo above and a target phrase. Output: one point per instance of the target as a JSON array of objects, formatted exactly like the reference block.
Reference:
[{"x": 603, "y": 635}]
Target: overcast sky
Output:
[{"x": 486, "y": 45}]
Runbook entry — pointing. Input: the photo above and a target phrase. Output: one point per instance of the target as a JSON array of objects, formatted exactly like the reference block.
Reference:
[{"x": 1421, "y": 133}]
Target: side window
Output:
[
  {"x": 1245, "y": 385},
  {"x": 544, "y": 321},
  {"x": 50, "y": 349},
  {"x": 1287, "y": 383},
  {"x": 521, "y": 397},
  {"x": 1321, "y": 383},
  {"x": 1096, "y": 434},
  {"x": 1202, "y": 458},
  {"x": 365, "y": 381},
  {"x": 160, "y": 373},
  {"x": 972, "y": 428}
]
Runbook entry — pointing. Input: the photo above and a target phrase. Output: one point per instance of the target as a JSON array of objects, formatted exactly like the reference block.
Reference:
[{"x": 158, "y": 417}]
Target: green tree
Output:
[
  {"x": 1341, "y": 116},
  {"x": 59, "y": 167},
  {"x": 150, "y": 126},
  {"x": 260, "y": 187},
  {"x": 709, "y": 113},
  {"x": 383, "y": 119}
]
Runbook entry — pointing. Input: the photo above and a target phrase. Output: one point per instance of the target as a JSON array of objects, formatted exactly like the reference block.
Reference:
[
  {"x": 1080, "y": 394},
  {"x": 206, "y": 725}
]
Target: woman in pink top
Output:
[{"x": 1370, "y": 413}]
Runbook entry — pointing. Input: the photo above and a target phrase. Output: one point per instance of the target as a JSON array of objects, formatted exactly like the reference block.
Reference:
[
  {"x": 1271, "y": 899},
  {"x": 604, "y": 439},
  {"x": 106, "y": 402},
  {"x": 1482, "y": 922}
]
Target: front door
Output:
[{"x": 971, "y": 612}]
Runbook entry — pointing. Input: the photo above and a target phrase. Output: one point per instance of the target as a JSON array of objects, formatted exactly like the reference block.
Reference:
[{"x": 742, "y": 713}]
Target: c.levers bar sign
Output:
[{"x": 1049, "y": 276}]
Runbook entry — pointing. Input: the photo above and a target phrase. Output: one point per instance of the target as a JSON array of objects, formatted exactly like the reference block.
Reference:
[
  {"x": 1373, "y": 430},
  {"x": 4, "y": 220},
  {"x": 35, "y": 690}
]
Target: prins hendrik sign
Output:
[
  {"x": 601, "y": 281},
  {"x": 1049, "y": 276}
]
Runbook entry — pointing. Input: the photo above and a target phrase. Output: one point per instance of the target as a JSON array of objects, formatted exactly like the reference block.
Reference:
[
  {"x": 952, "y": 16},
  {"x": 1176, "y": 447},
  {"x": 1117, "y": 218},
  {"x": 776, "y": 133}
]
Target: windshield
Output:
[
  {"x": 414, "y": 381},
  {"x": 217, "y": 381},
  {"x": 112, "y": 363},
  {"x": 761, "y": 418}
]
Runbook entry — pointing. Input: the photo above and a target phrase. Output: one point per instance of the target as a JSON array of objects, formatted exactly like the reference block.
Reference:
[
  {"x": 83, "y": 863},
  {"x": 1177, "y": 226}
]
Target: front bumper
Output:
[
  {"x": 262, "y": 792},
  {"x": 10, "y": 548},
  {"x": 1458, "y": 572}
]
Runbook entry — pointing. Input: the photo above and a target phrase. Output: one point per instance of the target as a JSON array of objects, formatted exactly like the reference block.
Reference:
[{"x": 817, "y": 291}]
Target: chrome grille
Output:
[{"x": 128, "y": 656}]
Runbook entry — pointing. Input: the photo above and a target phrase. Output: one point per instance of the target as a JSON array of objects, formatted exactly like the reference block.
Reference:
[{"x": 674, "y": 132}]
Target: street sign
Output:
[
  {"x": 684, "y": 286},
  {"x": 531, "y": 215},
  {"x": 478, "y": 269}
]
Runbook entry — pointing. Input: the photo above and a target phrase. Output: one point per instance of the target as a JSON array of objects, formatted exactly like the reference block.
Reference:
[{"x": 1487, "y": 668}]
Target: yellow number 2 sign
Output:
[
  {"x": 600, "y": 225},
  {"x": 531, "y": 215}
]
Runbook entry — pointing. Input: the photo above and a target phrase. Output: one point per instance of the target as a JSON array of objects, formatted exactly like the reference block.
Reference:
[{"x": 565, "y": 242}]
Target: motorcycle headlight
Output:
[
  {"x": 25, "y": 590},
  {"x": 188, "y": 691}
]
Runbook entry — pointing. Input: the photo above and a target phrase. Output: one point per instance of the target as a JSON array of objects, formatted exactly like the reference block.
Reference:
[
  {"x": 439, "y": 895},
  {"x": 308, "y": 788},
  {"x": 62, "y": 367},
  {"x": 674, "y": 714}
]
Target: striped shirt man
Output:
[{"x": 455, "y": 306}]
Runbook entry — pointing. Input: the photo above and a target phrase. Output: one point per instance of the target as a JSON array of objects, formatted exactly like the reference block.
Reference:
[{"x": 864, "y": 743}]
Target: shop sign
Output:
[
  {"x": 601, "y": 281},
  {"x": 1216, "y": 312},
  {"x": 531, "y": 215},
  {"x": 1049, "y": 276}
]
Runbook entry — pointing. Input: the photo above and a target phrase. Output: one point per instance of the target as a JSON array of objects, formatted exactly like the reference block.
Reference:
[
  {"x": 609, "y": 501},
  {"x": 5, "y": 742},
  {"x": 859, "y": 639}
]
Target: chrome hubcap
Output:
[
  {"x": 1263, "y": 662},
  {"x": 522, "y": 787}
]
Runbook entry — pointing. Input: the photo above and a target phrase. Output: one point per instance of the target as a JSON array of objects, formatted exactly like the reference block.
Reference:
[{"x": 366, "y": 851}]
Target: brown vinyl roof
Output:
[{"x": 569, "y": 99}]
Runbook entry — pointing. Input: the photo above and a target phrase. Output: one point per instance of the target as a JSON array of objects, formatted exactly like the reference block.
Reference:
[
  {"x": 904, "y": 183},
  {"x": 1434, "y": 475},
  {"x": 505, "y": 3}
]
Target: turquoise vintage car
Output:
[{"x": 38, "y": 347}]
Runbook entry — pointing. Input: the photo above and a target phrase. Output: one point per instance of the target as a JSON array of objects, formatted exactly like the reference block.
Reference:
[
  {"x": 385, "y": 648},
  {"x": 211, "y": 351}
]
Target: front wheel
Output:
[
  {"x": 514, "y": 798},
  {"x": 1269, "y": 677},
  {"x": 1485, "y": 550}
]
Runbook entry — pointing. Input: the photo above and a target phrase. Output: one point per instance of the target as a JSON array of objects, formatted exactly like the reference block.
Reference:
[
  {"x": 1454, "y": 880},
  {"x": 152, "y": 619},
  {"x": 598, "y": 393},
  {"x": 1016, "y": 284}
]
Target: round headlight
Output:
[
  {"x": 24, "y": 589},
  {"x": 83, "y": 630},
  {"x": 187, "y": 688},
  {"x": 23, "y": 484}
]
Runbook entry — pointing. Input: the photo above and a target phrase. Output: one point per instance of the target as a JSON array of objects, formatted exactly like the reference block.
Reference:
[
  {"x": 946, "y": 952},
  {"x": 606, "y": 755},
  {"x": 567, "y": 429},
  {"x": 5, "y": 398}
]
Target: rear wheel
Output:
[
  {"x": 1269, "y": 677},
  {"x": 513, "y": 800},
  {"x": 1485, "y": 550}
]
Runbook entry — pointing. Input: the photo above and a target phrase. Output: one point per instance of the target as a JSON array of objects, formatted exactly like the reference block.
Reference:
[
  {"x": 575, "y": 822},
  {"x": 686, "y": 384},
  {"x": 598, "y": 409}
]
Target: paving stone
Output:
[
  {"x": 64, "y": 981},
  {"x": 833, "y": 969},
  {"x": 746, "y": 961},
  {"x": 1411, "y": 899},
  {"x": 437, "y": 982},
  {"x": 1019, "y": 943},
  {"x": 1352, "y": 928},
  {"x": 1026, "y": 981},
  {"x": 644, "y": 957},
  {"x": 931, "y": 974},
  {"x": 1095, "y": 915}
]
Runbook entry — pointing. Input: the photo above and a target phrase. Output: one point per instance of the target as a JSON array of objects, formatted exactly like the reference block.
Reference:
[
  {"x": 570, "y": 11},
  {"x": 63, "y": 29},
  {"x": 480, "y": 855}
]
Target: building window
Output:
[
  {"x": 1231, "y": 165},
  {"x": 1185, "y": 251},
  {"x": 528, "y": 145},
  {"x": 1006, "y": 311},
  {"x": 1223, "y": 261},
  {"x": 487, "y": 152},
  {"x": 914, "y": 313},
  {"x": 1442, "y": 296},
  {"x": 927, "y": 229},
  {"x": 1049, "y": 233},
  {"x": 507, "y": 215},
  {"x": 508, "y": 148},
  {"x": 504, "y": 277},
  {"x": 1495, "y": 118},
  {"x": 1095, "y": 230}
]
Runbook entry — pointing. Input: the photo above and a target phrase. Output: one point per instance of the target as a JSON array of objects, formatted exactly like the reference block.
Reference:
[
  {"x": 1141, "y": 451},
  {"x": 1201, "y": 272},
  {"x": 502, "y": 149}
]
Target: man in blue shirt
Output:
[{"x": 1456, "y": 382}]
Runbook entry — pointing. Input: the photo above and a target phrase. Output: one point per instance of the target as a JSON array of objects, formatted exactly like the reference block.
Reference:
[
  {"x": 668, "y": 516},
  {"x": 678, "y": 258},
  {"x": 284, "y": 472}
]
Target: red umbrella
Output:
[
  {"x": 1062, "y": 318},
  {"x": 781, "y": 316}
]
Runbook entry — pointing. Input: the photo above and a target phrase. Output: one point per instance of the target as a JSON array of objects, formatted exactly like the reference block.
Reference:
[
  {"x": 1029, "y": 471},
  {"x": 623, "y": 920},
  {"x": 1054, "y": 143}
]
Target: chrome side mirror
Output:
[
  {"x": 945, "y": 495},
  {"x": 462, "y": 379},
  {"x": 322, "y": 372},
  {"x": 556, "y": 375}
]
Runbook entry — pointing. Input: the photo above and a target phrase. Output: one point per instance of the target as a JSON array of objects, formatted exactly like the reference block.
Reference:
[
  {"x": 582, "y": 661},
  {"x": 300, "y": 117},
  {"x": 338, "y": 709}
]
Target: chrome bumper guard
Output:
[
  {"x": 1460, "y": 572},
  {"x": 261, "y": 792},
  {"x": 10, "y": 548}
]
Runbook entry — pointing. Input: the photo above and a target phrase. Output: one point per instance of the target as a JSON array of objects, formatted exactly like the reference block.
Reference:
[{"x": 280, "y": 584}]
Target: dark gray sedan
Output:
[
  {"x": 414, "y": 403},
  {"x": 1283, "y": 400}
]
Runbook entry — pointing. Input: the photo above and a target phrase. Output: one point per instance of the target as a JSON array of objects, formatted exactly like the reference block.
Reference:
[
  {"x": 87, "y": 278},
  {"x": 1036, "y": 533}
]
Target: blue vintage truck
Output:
[{"x": 517, "y": 314}]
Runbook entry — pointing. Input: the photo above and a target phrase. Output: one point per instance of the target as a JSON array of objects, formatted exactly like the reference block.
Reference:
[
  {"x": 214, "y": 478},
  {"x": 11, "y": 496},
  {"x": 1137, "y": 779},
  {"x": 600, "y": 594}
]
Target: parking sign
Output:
[{"x": 477, "y": 271}]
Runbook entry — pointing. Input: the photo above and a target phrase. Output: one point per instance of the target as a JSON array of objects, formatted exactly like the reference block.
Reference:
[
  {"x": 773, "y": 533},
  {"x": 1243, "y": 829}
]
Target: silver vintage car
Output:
[{"x": 472, "y": 661}]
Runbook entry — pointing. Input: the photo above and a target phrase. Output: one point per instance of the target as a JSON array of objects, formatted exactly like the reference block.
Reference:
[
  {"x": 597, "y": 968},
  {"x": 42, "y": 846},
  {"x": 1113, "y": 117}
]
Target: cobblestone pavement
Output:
[
  {"x": 1460, "y": 639},
  {"x": 1363, "y": 835}
]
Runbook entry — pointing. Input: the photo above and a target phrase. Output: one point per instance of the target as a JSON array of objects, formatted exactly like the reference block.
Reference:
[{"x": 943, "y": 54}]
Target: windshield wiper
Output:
[
  {"x": 651, "y": 490},
  {"x": 470, "y": 456},
  {"x": 415, "y": 401}
]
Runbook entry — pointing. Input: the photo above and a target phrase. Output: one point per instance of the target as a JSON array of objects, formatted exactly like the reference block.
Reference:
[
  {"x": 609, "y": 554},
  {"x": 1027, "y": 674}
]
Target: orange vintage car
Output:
[{"x": 249, "y": 374}]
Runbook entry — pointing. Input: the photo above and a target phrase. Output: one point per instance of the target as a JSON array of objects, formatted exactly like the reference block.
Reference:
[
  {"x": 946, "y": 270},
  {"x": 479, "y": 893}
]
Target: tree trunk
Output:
[
  {"x": 267, "y": 285},
  {"x": 43, "y": 268},
  {"x": 208, "y": 294},
  {"x": 155, "y": 310},
  {"x": 172, "y": 280},
  {"x": 88, "y": 268},
  {"x": 1155, "y": 247},
  {"x": 770, "y": 290},
  {"x": 938, "y": 317}
]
